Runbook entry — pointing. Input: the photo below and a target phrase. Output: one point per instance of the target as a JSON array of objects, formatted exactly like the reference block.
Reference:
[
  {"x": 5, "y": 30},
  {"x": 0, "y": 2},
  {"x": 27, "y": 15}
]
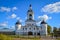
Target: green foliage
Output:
[
  {"x": 54, "y": 29},
  {"x": 56, "y": 32},
  {"x": 59, "y": 29},
  {"x": 49, "y": 29}
]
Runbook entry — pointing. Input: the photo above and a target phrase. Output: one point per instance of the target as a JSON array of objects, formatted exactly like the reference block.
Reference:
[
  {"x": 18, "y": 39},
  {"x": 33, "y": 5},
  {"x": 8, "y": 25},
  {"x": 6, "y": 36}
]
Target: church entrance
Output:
[
  {"x": 38, "y": 34},
  {"x": 30, "y": 33}
]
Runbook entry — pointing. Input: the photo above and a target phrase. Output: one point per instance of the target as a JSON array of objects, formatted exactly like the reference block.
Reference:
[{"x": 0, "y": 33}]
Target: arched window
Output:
[
  {"x": 30, "y": 16},
  {"x": 34, "y": 28},
  {"x": 37, "y": 28},
  {"x": 25, "y": 28},
  {"x": 30, "y": 28}
]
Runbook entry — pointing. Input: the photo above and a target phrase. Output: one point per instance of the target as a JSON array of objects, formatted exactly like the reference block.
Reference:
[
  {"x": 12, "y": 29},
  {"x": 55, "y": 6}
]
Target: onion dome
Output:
[
  {"x": 18, "y": 22},
  {"x": 43, "y": 22}
]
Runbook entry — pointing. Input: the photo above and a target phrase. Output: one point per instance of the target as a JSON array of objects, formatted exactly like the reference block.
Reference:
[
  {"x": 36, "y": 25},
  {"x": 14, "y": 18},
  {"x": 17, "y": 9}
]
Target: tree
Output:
[
  {"x": 54, "y": 30},
  {"x": 59, "y": 29},
  {"x": 58, "y": 32},
  {"x": 49, "y": 29}
]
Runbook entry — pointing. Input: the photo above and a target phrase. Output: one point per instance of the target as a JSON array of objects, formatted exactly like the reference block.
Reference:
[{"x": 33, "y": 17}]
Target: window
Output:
[
  {"x": 37, "y": 28},
  {"x": 25, "y": 28},
  {"x": 34, "y": 28},
  {"x": 32, "y": 24},
  {"x": 30, "y": 28},
  {"x": 41, "y": 27},
  {"x": 30, "y": 16}
]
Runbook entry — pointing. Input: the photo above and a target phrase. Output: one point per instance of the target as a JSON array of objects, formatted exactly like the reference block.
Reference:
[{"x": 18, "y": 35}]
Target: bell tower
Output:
[
  {"x": 30, "y": 17},
  {"x": 30, "y": 14}
]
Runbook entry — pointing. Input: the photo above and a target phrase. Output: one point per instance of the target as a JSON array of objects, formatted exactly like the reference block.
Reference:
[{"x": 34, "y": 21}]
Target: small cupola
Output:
[
  {"x": 18, "y": 25},
  {"x": 18, "y": 22},
  {"x": 43, "y": 22}
]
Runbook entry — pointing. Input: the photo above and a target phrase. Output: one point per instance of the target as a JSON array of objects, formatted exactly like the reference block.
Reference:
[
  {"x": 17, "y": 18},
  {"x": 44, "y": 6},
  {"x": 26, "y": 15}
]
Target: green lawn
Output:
[
  {"x": 58, "y": 39},
  {"x": 16, "y": 37}
]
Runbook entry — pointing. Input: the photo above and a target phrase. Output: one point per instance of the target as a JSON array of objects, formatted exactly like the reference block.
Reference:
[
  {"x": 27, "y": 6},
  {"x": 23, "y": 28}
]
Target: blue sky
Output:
[{"x": 12, "y": 10}]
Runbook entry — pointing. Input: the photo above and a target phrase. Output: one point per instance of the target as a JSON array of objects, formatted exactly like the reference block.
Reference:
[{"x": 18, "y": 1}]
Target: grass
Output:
[
  {"x": 29, "y": 38},
  {"x": 58, "y": 39},
  {"x": 26, "y": 37},
  {"x": 16, "y": 37},
  {"x": 4, "y": 37}
]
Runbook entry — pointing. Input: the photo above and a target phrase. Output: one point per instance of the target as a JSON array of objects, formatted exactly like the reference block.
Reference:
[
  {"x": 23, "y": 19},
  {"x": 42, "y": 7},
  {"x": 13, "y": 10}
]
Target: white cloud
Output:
[
  {"x": 6, "y": 9},
  {"x": 52, "y": 8},
  {"x": 44, "y": 17},
  {"x": 25, "y": 17},
  {"x": 14, "y": 8},
  {"x": 50, "y": 17},
  {"x": 21, "y": 20},
  {"x": 4, "y": 24},
  {"x": 13, "y": 16},
  {"x": 12, "y": 27},
  {"x": 18, "y": 18}
]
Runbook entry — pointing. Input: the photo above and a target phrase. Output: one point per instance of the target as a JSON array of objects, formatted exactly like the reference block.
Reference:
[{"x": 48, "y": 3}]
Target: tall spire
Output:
[
  {"x": 30, "y": 5},
  {"x": 30, "y": 8}
]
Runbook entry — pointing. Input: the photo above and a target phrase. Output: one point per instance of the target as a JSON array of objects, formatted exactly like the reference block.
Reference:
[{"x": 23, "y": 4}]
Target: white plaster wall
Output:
[
  {"x": 30, "y": 23},
  {"x": 44, "y": 29},
  {"x": 30, "y": 13}
]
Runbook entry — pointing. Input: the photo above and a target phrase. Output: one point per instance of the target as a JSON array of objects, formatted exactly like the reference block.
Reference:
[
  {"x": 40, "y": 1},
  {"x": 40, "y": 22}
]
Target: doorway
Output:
[{"x": 30, "y": 33}]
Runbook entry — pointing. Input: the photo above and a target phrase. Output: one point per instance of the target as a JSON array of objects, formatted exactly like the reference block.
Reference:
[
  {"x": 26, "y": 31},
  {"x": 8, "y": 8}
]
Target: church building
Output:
[{"x": 31, "y": 28}]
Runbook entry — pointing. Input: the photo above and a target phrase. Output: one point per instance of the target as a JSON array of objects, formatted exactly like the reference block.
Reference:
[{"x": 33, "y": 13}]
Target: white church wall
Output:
[
  {"x": 30, "y": 26},
  {"x": 31, "y": 23},
  {"x": 44, "y": 29}
]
